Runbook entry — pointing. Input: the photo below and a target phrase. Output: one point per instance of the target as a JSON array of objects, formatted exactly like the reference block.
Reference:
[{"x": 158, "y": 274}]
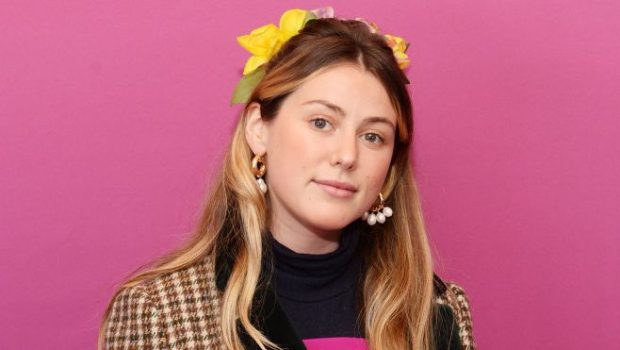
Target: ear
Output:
[{"x": 255, "y": 129}]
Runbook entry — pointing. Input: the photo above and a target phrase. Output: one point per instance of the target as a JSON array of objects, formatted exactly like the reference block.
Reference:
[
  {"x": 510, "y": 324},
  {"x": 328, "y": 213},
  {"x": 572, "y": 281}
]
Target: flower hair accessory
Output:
[{"x": 265, "y": 41}]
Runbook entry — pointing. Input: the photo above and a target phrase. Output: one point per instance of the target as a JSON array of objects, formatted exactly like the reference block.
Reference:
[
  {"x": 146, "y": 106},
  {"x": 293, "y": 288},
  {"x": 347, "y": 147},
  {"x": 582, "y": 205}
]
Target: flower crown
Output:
[{"x": 265, "y": 41}]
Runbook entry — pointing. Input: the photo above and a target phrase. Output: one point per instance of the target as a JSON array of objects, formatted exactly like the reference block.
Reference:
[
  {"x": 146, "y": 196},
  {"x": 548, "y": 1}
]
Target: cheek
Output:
[
  {"x": 288, "y": 153},
  {"x": 377, "y": 174}
]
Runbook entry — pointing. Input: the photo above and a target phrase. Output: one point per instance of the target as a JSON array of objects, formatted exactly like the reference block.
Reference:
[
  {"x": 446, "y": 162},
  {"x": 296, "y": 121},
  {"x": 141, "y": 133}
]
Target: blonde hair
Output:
[{"x": 397, "y": 289}]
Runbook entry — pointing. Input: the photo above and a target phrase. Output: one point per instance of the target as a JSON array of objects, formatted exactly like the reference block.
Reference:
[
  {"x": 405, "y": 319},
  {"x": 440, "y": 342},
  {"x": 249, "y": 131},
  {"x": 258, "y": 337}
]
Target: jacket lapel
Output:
[{"x": 267, "y": 314}]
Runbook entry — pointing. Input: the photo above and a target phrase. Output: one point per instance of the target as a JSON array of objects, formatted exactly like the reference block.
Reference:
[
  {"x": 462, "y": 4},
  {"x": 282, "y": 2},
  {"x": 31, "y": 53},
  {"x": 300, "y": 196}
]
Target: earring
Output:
[
  {"x": 258, "y": 169},
  {"x": 378, "y": 213}
]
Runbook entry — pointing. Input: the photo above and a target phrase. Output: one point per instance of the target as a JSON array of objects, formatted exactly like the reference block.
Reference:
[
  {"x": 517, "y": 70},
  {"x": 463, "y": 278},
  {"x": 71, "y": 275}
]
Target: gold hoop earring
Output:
[
  {"x": 377, "y": 213},
  {"x": 258, "y": 169}
]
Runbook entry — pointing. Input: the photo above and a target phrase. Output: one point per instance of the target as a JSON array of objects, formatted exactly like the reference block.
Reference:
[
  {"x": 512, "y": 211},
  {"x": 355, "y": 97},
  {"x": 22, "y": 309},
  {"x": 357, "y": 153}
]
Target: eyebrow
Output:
[{"x": 337, "y": 109}]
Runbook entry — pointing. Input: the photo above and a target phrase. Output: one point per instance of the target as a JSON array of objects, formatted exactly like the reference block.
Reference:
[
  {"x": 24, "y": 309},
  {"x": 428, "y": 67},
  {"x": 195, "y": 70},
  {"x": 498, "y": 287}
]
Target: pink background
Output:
[{"x": 113, "y": 115}]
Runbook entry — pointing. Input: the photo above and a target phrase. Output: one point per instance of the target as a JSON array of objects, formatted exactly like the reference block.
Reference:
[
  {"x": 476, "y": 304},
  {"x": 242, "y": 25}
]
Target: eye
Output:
[
  {"x": 319, "y": 123},
  {"x": 373, "y": 137}
]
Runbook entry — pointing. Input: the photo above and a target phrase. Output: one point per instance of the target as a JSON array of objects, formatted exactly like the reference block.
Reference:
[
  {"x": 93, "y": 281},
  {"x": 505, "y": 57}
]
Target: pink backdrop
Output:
[{"x": 112, "y": 115}]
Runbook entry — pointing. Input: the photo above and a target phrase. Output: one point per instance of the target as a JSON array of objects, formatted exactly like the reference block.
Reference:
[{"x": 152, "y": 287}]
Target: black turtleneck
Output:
[{"x": 318, "y": 292}]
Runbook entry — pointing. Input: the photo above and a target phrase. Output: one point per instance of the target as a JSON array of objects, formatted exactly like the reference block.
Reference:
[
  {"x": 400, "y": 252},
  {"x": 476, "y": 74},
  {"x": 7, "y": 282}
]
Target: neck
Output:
[{"x": 304, "y": 240}]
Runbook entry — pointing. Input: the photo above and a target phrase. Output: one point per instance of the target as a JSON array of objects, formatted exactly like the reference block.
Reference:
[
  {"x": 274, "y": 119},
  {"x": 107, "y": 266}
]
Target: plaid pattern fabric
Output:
[
  {"x": 180, "y": 310},
  {"x": 455, "y": 297}
]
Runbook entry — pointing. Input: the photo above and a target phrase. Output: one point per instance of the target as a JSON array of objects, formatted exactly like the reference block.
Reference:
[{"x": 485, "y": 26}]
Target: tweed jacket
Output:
[{"x": 180, "y": 310}]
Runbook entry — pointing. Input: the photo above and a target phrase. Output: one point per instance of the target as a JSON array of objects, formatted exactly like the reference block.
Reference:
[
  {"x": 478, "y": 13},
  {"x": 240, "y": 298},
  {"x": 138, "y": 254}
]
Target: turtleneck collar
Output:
[{"x": 316, "y": 277}]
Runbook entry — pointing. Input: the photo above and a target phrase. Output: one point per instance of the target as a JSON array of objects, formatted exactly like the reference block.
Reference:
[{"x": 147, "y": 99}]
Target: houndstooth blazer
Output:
[{"x": 180, "y": 310}]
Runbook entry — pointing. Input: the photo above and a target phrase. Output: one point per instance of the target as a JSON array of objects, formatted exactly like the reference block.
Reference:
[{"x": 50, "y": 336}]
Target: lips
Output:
[{"x": 338, "y": 184}]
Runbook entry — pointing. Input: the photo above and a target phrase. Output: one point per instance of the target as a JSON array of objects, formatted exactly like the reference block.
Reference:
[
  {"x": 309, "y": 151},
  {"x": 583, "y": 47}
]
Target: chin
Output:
[{"x": 331, "y": 223}]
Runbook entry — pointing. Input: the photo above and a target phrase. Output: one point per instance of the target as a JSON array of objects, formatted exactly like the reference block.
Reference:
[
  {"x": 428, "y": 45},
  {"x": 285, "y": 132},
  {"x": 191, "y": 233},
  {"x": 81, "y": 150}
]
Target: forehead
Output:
[{"x": 348, "y": 86}]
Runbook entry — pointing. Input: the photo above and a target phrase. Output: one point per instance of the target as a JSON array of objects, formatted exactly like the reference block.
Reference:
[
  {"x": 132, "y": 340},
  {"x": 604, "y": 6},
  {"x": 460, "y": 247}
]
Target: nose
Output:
[{"x": 345, "y": 151}]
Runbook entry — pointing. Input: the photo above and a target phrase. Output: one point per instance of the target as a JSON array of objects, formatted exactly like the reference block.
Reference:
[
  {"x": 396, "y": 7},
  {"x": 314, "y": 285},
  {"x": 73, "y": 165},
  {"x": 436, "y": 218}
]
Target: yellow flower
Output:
[
  {"x": 266, "y": 41},
  {"x": 291, "y": 22},
  {"x": 399, "y": 46},
  {"x": 262, "y": 43}
]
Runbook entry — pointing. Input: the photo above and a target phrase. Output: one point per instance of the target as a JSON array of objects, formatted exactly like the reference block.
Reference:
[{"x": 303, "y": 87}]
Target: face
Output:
[{"x": 328, "y": 150}]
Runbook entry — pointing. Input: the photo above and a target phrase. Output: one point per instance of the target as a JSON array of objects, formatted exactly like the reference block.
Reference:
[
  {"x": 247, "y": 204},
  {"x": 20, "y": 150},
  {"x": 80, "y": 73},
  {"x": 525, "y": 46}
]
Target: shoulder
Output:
[
  {"x": 161, "y": 311},
  {"x": 180, "y": 285},
  {"x": 133, "y": 315},
  {"x": 453, "y": 295}
]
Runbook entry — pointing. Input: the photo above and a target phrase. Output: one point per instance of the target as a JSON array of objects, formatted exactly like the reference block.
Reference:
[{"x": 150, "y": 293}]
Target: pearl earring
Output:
[
  {"x": 378, "y": 213},
  {"x": 258, "y": 169}
]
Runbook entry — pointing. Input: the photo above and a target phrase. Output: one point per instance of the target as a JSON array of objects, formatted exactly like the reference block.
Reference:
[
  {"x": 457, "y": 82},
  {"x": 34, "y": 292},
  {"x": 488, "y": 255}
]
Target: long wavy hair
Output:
[{"x": 397, "y": 287}]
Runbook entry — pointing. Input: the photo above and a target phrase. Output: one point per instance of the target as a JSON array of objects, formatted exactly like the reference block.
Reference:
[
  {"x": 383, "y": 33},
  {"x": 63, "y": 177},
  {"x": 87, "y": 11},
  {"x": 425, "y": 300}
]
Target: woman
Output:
[{"x": 312, "y": 235}]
